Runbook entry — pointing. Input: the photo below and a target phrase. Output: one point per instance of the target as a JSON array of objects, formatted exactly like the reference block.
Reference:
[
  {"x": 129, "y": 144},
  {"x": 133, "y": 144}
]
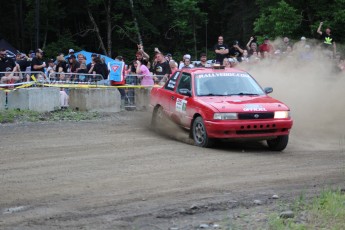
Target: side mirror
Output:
[
  {"x": 268, "y": 90},
  {"x": 185, "y": 92}
]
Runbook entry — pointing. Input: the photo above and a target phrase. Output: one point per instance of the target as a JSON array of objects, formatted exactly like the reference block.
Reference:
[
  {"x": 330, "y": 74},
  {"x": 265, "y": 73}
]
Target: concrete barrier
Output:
[
  {"x": 100, "y": 100},
  {"x": 142, "y": 98},
  {"x": 41, "y": 99},
  {"x": 2, "y": 100}
]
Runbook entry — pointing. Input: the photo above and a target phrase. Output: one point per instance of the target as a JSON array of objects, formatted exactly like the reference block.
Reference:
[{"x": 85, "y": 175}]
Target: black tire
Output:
[
  {"x": 200, "y": 134},
  {"x": 157, "y": 118},
  {"x": 279, "y": 143}
]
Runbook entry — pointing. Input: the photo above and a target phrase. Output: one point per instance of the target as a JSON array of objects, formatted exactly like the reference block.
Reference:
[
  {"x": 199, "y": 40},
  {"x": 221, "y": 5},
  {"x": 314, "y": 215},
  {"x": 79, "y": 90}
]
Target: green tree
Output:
[
  {"x": 279, "y": 20},
  {"x": 61, "y": 45},
  {"x": 187, "y": 19}
]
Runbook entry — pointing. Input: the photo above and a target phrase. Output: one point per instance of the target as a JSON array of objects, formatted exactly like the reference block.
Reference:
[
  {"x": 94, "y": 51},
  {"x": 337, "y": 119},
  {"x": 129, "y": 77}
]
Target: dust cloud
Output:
[{"x": 314, "y": 91}]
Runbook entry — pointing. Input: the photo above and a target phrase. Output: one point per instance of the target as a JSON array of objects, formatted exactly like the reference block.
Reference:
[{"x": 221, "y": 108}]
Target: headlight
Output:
[
  {"x": 281, "y": 114},
  {"x": 225, "y": 116}
]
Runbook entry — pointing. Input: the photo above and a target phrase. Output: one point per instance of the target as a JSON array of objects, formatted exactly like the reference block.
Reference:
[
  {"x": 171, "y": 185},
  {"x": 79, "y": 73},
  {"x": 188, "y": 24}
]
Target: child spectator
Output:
[
  {"x": 51, "y": 69},
  {"x": 187, "y": 64}
]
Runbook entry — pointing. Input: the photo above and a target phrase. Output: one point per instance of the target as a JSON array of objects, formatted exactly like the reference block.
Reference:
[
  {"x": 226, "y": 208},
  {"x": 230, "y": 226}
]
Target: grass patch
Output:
[
  {"x": 12, "y": 115},
  {"x": 15, "y": 115},
  {"x": 327, "y": 211}
]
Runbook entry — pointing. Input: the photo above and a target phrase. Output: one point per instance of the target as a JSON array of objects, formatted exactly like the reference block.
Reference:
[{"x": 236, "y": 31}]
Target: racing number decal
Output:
[{"x": 181, "y": 105}]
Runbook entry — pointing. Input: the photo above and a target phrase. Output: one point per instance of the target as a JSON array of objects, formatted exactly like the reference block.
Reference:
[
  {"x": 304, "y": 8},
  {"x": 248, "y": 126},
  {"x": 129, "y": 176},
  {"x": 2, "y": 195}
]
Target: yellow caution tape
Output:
[{"x": 83, "y": 86}]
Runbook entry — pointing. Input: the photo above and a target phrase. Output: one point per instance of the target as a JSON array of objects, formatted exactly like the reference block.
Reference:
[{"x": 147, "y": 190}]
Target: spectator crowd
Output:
[{"x": 149, "y": 72}]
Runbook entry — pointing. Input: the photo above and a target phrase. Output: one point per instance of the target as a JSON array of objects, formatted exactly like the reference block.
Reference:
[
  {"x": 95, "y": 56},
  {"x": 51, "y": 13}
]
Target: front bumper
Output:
[{"x": 245, "y": 129}]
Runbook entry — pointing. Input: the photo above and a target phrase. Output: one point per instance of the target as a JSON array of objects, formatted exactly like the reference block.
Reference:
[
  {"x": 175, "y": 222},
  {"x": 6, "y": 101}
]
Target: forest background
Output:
[{"x": 115, "y": 27}]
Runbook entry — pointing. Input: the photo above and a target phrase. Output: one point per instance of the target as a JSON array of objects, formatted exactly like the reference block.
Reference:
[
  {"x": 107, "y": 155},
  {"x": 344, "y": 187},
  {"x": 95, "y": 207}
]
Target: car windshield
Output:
[{"x": 226, "y": 84}]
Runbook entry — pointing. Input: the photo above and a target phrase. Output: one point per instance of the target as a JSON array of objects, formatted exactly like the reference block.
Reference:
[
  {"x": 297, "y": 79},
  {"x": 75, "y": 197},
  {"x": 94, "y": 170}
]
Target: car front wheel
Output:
[
  {"x": 279, "y": 143},
  {"x": 200, "y": 135}
]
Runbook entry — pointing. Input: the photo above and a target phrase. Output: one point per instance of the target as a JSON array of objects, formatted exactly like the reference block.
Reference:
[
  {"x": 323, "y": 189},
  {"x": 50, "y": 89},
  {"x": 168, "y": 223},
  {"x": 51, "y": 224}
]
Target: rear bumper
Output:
[{"x": 244, "y": 129}]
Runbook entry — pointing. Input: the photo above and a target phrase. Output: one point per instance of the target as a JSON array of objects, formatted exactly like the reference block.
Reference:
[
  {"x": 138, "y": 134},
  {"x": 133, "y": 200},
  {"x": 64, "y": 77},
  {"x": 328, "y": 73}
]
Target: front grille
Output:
[
  {"x": 256, "y": 131},
  {"x": 254, "y": 116}
]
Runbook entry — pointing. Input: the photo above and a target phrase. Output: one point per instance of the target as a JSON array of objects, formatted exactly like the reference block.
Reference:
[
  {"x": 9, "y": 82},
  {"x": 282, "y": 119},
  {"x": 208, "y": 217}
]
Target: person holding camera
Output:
[{"x": 236, "y": 51}]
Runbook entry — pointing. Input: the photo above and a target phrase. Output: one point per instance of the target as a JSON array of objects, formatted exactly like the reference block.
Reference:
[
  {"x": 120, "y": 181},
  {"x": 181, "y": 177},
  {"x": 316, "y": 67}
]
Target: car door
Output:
[
  {"x": 169, "y": 93},
  {"x": 180, "y": 104}
]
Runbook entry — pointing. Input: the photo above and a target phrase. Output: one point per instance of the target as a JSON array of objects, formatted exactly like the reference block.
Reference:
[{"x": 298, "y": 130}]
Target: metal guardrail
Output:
[
  {"x": 130, "y": 92},
  {"x": 76, "y": 78},
  {"x": 12, "y": 79}
]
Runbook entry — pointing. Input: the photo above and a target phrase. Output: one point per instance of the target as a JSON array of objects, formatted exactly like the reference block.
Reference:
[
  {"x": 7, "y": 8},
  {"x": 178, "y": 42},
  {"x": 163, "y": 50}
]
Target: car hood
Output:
[{"x": 244, "y": 103}]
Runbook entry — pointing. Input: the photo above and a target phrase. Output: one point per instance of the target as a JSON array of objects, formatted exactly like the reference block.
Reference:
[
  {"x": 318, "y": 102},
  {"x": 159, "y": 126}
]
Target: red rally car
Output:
[{"x": 221, "y": 104}]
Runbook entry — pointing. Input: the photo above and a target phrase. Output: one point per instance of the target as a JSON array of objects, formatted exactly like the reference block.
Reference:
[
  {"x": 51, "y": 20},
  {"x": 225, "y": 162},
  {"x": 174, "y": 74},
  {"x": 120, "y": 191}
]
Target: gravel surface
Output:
[{"x": 116, "y": 173}]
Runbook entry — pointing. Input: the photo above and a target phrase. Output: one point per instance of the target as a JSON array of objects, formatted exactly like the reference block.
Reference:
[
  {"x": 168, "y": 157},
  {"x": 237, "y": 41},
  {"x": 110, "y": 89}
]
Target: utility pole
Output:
[{"x": 37, "y": 23}]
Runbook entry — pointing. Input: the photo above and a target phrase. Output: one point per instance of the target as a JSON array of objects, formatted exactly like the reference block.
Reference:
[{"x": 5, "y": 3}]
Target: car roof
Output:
[{"x": 212, "y": 70}]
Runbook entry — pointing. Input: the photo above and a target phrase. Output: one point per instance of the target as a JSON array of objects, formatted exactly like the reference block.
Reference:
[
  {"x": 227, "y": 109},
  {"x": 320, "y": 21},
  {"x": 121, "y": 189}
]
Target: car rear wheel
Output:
[
  {"x": 200, "y": 135},
  {"x": 157, "y": 118},
  {"x": 279, "y": 143}
]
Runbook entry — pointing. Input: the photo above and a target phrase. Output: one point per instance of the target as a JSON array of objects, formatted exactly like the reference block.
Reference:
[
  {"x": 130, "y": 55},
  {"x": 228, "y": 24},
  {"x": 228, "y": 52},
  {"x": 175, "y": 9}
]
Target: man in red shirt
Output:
[{"x": 266, "y": 46}]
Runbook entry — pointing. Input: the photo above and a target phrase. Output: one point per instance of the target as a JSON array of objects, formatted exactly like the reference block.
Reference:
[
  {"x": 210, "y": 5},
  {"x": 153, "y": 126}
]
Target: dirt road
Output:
[{"x": 118, "y": 174}]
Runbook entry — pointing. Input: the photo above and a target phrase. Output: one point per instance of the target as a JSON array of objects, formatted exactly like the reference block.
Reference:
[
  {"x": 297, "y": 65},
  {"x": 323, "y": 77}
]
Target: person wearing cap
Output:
[
  {"x": 37, "y": 65},
  {"x": 182, "y": 63},
  {"x": 71, "y": 51},
  {"x": 187, "y": 64},
  {"x": 221, "y": 50},
  {"x": 298, "y": 47},
  {"x": 168, "y": 56},
  {"x": 73, "y": 64},
  {"x": 32, "y": 54}
]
